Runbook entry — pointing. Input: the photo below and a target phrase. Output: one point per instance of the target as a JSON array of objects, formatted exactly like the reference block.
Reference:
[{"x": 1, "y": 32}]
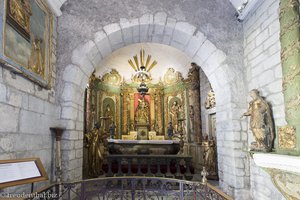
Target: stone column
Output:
[
  {"x": 288, "y": 136},
  {"x": 58, "y": 169}
]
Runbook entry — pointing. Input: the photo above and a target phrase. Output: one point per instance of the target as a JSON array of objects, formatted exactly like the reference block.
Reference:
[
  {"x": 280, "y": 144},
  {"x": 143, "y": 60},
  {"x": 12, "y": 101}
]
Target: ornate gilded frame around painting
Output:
[{"x": 30, "y": 57}]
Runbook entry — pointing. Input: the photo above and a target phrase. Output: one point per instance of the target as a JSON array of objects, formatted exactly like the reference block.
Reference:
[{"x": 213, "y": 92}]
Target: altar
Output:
[
  {"x": 149, "y": 147},
  {"x": 147, "y": 157},
  {"x": 141, "y": 114}
]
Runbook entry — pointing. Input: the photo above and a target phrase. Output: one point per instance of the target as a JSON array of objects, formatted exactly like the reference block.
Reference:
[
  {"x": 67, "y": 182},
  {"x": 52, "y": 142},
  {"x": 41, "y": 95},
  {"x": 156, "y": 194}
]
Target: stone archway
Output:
[{"x": 159, "y": 28}]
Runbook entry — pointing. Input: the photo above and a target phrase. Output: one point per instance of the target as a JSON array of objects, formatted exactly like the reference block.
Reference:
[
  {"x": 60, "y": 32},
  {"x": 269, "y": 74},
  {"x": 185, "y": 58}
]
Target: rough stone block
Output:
[
  {"x": 261, "y": 37},
  {"x": 79, "y": 153},
  {"x": 111, "y": 28},
  {"x": 67, "y": 144},
  {"x": 18, "y": 82},
  {"x": 186, "y": 28},
  {"x": 160, "y": 18},
  {"x": 146, "y": 19},
  {"x": 9, "y": 117},
  {"x": 72, "y": 93},
  {"x": 70, "y": 135},
  {"x": 78, "y": 144},
  {"x": 271, "y": 61},
  {"x": 68, "y": 154},
  {"x": 68, "y": 124},
  {"x": 36, "y": 104},
  {"x": 170, "y": 25},
  {"x": 14, "y": 98},
  {"x": 206, "y": 50},
  {"x": 177, "y": 45},
  {"x": 79, "y": 126},
  {"x": 127, "y": 35},
  {"x": 69, "y": 113},
  {"x": 72, "y": 74},
  {"x": 6, "y": 144},
  {"x": 102, "y": 42},
  {"x": 35, "y": 123},
  {"x": 194, "y": 44},
  {"x": 3, "y": 90},
  {"x": 144, "y": 32},
  {"x": 80, "y": 58},
  {"x": 278, "y": 71},
  {"x": 266, "y": 78}
]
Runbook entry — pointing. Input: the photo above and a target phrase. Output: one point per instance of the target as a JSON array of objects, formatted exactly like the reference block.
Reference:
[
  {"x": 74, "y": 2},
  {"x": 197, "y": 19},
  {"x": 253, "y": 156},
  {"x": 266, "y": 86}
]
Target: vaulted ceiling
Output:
[{"x": 56, "y": 4}]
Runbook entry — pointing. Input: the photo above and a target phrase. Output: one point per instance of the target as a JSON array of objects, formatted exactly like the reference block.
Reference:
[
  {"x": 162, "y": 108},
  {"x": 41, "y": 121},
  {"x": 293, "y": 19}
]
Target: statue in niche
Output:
[
  {"x": 112, "y": 130},
  {"x": 170, "y": 131},
  {"x": 131, "y": 127},
  {"x": 261, "y": 122},
  {"x": 35, "y": 62},
  {"x": 209, "y": 156},
  {"x": 142, "y": 112},
  {"x": 95, "y": 157},
  {"x": 109, "y": 114},
  {"x": 174, "y": 115},
  {"x": 210, "y": 101}
]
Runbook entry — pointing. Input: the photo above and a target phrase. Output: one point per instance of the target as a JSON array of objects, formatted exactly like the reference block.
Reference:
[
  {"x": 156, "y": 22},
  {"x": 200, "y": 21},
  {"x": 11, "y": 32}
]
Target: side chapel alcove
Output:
[{"x": 175, "y": 100}]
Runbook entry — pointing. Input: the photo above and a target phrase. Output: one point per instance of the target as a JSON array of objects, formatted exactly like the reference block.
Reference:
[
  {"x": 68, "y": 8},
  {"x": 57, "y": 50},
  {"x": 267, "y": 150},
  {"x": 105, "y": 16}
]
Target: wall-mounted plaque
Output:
[{"x": 22, "y": 171}]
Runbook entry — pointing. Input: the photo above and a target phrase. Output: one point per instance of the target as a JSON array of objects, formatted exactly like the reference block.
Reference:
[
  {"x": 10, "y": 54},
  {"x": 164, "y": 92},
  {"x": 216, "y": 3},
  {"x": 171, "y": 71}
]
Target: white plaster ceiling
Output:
[{"x": 166, "y": 57}]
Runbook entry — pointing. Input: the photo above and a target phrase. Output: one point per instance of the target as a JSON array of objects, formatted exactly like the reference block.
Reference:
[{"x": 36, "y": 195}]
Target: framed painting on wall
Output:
[{"x": 27, "y": 33}]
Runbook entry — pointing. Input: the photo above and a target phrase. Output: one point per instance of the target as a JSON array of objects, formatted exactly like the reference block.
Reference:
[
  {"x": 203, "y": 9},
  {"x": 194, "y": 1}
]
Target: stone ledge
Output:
[{"x": 275, "y": 161}]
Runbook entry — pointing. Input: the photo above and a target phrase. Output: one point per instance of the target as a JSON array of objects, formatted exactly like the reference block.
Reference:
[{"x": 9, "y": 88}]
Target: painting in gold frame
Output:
[{"x": 32, "y": 57}]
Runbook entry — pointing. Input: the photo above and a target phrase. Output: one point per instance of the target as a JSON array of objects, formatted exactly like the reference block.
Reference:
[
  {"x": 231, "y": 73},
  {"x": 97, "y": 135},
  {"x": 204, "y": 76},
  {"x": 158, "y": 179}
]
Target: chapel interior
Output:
[{"x": 169, "y": 99}]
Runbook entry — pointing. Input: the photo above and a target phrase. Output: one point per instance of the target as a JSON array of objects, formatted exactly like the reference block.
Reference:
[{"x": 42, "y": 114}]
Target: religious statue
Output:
[
  {"x": 174, "y": 115},
  {"x": 261, "y": 122},
  {"x": 209, "y": 156},
  {"x": 95, "y": 157},
  {"x": 108, "y": 114},
  {"x": 170, "y": 131},
  {"x": 131, "y": 127},
  {"x": 210, "y": 101},
  {"x": 192, "y": 120},
  {"x": 112, "y": 130},
  {"x": 142, "y": 112},
  {"x": 35, "y": 62}
]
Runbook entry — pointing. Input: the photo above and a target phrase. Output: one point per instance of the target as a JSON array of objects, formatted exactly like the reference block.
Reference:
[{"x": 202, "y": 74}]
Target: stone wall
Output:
[
  {"x": 204, "y": 89},
  {"x": 264, "y": 72},
  {"x": 26, "y": 113},
  {"x": 207, "y": 31}
]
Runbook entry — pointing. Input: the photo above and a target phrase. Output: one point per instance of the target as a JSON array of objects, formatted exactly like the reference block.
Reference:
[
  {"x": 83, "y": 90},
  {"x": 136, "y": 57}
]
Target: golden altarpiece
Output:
[
  {"x": 120, "y": 108},
  {"x": 135, "y": 117}
]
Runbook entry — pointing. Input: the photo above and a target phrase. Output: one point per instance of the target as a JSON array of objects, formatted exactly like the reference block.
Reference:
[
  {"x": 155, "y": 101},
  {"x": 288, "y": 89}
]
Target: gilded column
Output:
[
  {"x": 194, "y": 81},
  {"x": 125, "y": 113},
  {"x": 290, "y": 58}
]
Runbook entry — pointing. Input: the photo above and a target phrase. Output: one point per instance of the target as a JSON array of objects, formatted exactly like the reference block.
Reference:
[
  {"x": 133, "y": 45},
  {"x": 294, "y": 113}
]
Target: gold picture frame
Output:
[{"x": 30, "y": 58}]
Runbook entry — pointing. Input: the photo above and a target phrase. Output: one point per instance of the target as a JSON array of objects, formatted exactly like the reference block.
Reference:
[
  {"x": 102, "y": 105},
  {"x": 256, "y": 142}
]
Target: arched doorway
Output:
[{"x": 225, "y": 81}]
